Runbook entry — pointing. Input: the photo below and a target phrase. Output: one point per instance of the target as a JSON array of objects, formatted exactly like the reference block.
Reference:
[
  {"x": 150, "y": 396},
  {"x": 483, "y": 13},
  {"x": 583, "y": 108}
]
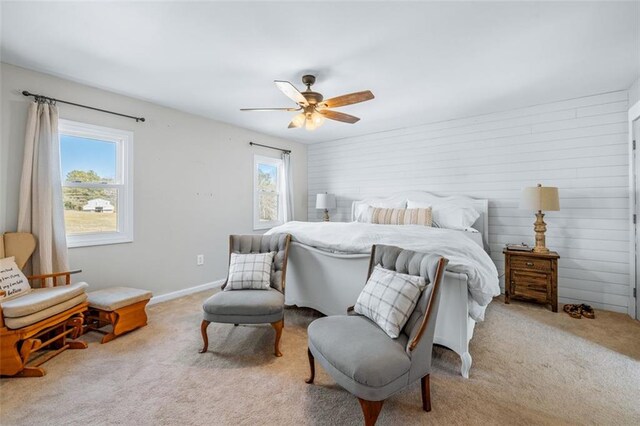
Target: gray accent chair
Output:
[
  {"x": 252, "y": 306},
  {"x": 362, "y": 358}
]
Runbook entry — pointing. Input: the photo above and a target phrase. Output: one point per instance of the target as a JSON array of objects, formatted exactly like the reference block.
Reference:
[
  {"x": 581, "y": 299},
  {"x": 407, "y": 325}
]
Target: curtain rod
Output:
[
  {"x": 47, "y": 98},
  {"x": 286, "y": 151}
]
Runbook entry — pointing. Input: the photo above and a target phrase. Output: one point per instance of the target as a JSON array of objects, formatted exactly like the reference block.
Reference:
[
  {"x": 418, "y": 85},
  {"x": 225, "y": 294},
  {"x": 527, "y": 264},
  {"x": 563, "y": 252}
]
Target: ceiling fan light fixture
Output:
[
  {"x": 298, "y": 120},
  {"x": 313, "y": 121},
  {"x": 310, "y": 125},
  {"x": 317, "y": 118}
]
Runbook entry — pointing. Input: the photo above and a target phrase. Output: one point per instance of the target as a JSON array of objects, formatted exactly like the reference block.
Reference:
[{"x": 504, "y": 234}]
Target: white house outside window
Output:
[
  {"x": 268, "y": 192},
  {"x": 97, "y": 183}
]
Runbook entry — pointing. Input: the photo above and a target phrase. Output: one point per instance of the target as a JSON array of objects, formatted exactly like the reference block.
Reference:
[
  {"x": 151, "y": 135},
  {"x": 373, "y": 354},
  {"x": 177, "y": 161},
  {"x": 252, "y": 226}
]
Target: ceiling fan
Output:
[{"x": 314, "y": 109}]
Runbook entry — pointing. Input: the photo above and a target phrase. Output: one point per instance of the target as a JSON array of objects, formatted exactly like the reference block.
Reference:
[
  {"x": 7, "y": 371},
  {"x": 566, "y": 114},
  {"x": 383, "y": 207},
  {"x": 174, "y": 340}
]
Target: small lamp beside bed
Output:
[
  {"x": 325, "y": 202},
  {"x": 540, "y": 198}
]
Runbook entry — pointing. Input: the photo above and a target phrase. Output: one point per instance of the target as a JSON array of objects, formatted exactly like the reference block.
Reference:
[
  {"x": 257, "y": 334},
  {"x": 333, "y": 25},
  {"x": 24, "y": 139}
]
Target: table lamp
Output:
[
  {"x": 540, "y": 198},
  {"x": 325, "y": 202}
]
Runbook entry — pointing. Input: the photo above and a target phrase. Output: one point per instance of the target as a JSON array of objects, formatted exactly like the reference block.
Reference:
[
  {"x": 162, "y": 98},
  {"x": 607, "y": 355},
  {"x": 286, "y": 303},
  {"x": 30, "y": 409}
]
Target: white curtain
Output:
[
  {"x": 41, "y": 208},
  {"x": 288, "y": 182}
]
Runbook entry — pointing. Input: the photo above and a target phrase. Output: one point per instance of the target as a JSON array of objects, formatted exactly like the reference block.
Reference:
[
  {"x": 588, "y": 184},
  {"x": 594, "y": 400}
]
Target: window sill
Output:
[{"x": 97, "y": 240}]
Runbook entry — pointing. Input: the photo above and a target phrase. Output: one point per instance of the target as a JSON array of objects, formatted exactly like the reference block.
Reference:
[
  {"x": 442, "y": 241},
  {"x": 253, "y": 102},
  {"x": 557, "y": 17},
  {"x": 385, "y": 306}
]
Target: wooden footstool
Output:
[{"x": 122, "y": 307}]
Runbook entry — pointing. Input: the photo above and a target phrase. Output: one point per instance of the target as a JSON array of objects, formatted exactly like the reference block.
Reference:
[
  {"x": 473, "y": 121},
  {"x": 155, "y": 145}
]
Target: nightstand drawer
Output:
[
  {"x": 531, "y": 285},
  {"x": 529, "y": 263}
]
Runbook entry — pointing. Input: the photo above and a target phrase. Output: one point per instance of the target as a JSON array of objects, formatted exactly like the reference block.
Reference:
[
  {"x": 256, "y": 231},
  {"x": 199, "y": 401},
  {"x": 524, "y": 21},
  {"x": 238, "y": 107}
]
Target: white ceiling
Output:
[{"x": 425, "y": 62}]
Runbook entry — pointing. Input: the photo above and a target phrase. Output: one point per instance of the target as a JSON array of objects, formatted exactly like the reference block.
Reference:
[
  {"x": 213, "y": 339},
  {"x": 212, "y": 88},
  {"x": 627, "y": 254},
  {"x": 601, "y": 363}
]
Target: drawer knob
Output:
[{"x": 529, "y": 263}]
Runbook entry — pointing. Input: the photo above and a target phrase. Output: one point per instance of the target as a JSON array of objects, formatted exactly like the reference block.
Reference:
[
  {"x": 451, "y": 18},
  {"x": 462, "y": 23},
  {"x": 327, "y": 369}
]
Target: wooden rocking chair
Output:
[{"x": 59, "y": 318}]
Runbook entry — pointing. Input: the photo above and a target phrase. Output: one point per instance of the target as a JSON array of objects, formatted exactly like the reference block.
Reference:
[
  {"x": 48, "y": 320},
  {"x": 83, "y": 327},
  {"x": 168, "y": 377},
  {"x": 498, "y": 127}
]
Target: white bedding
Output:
[{"x": 464, "y": 254}]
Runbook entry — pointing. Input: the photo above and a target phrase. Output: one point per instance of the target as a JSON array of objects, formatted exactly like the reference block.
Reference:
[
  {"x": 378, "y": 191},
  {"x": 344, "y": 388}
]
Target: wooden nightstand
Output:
[{"x": 531, "y": 276}]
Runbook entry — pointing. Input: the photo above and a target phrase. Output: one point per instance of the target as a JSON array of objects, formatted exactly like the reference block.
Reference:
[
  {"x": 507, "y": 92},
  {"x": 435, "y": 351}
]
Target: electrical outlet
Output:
[{"x": 200, "y": 259}]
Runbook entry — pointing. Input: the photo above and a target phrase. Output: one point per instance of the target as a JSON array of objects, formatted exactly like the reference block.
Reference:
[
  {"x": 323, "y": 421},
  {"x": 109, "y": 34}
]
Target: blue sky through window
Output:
[
  {"x": 272, "y": 171},
  {"x": 87, "y": 154}
]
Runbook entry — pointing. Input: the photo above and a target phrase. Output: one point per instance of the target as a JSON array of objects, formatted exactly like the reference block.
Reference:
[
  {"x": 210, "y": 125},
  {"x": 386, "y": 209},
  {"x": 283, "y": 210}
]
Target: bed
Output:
[{"x": 328, "y": 265}]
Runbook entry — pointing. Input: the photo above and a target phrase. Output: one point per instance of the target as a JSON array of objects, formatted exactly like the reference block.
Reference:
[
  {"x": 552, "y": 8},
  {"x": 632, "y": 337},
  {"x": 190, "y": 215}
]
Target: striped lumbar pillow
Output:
[
  {"x": 383, "y": 216},
  {"x": 250, "y": 271},
  {"x": 389, "y": 298}
]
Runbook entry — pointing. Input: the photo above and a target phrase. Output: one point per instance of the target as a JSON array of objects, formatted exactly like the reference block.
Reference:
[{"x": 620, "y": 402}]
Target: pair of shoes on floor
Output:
[{"x": 580, "y": 310}]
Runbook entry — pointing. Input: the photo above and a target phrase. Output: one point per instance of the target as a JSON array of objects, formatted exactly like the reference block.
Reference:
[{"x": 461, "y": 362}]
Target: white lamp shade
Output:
[
  {"x": 544, "y": 198},
  {"x": 325, "y": 201}
]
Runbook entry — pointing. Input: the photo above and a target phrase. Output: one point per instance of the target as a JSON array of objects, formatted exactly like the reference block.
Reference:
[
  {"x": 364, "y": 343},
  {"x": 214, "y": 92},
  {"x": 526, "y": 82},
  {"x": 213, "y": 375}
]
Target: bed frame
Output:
[{"x": 331, "y": 282}]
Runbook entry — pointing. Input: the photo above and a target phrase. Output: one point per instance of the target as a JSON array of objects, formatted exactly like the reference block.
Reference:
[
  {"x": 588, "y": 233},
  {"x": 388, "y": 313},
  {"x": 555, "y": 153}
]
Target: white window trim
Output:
[
  {"x": 257, "y": 224},
  {"x": 124, "y": 168}
]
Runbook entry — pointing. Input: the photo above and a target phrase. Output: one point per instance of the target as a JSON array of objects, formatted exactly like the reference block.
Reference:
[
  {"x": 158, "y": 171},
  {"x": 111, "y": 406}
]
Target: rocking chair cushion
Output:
[
  {"x": 40, "y": 299},
  {"x": 27, "y": 320}
]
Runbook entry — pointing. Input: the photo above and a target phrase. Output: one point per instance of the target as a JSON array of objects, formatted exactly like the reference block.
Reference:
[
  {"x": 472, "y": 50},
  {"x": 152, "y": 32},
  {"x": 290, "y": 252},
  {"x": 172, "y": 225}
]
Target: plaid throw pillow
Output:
[
  {"x": 250, "y": 271},
  {"x": 389, "y": 298}
]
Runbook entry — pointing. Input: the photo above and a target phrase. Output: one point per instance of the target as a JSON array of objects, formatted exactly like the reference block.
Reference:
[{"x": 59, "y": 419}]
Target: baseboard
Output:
[{"x": 185, "y": 291}]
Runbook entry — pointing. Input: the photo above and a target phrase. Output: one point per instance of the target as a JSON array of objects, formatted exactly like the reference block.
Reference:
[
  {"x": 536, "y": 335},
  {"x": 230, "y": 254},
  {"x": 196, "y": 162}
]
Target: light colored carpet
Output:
[{"x": 530, "y": 367}]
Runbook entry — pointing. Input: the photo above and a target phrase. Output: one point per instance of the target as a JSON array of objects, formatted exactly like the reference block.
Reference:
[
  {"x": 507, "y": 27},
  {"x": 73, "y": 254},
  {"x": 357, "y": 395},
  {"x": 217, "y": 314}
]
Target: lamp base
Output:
[
  {"x": 326, "y": 215},
  {"x": 540, "y": 250},
  {"x": 540, "y": 228}
]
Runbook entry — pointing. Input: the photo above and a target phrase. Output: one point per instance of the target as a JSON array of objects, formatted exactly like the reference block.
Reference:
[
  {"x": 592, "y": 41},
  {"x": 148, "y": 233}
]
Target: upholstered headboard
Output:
[{"x": 481, "y": 206}]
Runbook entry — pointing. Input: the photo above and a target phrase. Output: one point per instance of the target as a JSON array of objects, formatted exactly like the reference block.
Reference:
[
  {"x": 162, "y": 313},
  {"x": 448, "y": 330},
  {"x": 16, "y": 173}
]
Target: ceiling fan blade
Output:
[
  {"x": 293, "y": 125},
  {"x": 291, "y": 92},
  {"x": 351, "y": 98},
  {"x": 269, "y": 109},
  {"x": 339, "y": 116}
]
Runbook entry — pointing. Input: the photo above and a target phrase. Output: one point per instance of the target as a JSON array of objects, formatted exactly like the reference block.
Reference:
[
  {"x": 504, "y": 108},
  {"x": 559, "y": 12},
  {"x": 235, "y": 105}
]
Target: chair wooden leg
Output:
[
  {"x": 113, "y": 320},
  {"x": 312, "y": 367},
  {"x": 10, "y": 361},
  {"x": 278, "y": 326},
  {"x": 370, "y": 410},
  {"x": 426, "y": 393},
  {"x": 31, "y": 372},
  {"x": 205, "y": 338}
]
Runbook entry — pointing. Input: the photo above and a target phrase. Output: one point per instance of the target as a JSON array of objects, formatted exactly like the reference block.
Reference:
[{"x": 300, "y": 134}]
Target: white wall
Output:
[
  {"x": 634, "y": 93},
  {"x": 192, "y": 177},
  {"x": 579, "y": 145}
]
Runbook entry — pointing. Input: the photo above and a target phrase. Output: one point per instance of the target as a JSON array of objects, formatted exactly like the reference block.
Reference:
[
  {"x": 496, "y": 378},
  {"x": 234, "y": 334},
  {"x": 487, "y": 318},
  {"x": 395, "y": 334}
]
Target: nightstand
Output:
[{"x": 531, "y": 276}]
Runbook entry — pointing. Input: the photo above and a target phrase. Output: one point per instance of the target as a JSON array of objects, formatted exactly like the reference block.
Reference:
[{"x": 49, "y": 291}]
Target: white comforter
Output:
[{"x": 465, "y": 255}]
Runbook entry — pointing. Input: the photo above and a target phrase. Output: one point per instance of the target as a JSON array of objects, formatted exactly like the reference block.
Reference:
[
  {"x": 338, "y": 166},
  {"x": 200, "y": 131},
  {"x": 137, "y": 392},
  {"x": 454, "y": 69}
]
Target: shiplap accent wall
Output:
[{"x": 579, "y": 145}]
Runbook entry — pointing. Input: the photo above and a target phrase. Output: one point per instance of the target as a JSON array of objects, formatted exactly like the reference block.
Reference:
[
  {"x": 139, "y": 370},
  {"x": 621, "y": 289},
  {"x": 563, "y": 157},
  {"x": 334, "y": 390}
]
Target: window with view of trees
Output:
[
  {"x": 268, "y": 192},
  {"x": 97, "y": 185}
]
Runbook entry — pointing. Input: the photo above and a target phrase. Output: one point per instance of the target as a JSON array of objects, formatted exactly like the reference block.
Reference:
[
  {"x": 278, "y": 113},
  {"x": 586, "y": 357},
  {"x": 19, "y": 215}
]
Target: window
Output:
[
  {"x": 97, "y": 184},
  {"x": 268, "y": 192}
]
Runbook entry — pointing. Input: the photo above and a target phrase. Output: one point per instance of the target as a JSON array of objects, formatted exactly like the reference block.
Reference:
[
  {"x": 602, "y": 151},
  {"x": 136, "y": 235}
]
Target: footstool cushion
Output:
[
  {"x": 111, "y": 299},
  {"x": 122, "y": 307}
]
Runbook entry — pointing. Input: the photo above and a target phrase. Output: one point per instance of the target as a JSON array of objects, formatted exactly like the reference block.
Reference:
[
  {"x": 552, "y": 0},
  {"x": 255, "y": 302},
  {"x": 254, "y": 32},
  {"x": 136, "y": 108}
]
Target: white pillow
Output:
[
  {"x": 362, "y": 212},
  {"x": 389, "y": 298},
  {"x": 448, "y": 215},
  {"x": 12, "y": 280},
  {"x": 250, "y": 271}
]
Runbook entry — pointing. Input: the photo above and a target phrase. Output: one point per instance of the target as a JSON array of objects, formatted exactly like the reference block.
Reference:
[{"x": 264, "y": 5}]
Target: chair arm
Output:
[
  {"x": 42, "y": 278},
  {"x": 436, "y": 288}
]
